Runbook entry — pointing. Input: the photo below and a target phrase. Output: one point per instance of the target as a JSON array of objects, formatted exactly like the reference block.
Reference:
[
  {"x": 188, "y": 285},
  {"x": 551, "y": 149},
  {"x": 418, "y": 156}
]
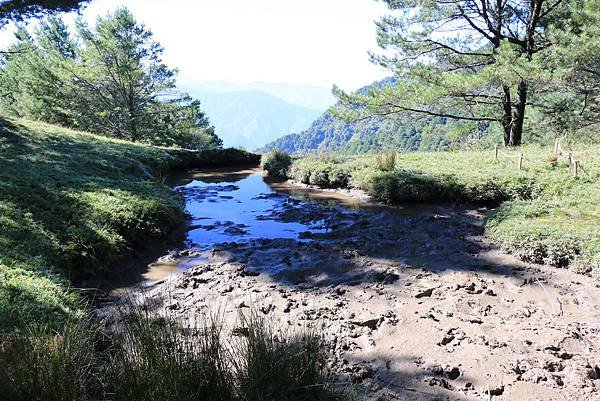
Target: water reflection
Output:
[
  {"x": 231, "y": 205},
  {"x": 227, "y": 205}
]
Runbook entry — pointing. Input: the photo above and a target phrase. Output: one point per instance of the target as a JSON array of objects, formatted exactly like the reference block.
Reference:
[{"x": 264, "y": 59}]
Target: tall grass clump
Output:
[
  {"x": 147, "y": 354},
  {"x": 155, "y": 358},
  {"x": 40, "y": 364},
  {"x": 386, "y": 160},
  {"x": 276, "y": 163},
  {"x": 274, "y": 366}
]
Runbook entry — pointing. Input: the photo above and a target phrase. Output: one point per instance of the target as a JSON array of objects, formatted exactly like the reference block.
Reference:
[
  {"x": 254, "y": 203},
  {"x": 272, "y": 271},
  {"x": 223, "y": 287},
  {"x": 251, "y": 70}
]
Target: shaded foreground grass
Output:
[
  {"x": 545, "y": 215},
  {"x": 144, "y": 357},
  {"x": 72, "y": 203}
]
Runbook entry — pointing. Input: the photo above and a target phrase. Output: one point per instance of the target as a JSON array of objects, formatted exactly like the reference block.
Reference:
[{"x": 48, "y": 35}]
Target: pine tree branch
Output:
[
  {"x": 432, "y": 113},
  {"x": 456, "y": 51},
  {"x": 551, "y": 8}
]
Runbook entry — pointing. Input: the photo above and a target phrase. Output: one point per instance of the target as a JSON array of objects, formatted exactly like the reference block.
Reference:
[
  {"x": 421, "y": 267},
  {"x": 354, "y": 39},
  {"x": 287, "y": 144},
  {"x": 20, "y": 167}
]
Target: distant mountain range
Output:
[
  {"x": 310, "y": 97},
  {"x": 251, "y": 118}
]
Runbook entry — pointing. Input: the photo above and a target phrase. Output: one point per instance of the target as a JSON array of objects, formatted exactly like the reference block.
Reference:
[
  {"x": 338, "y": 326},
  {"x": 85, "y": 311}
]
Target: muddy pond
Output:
[
  {"x": 414, "y": 302},
  {"x": 234, "y": 205},
  {"x": 227, "y": 207}
]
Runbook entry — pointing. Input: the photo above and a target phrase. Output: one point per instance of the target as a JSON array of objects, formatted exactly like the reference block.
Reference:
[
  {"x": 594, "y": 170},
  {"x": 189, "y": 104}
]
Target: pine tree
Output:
[
  {"x": 472, "y": 60},
  {"x": 19, "y": 10}
]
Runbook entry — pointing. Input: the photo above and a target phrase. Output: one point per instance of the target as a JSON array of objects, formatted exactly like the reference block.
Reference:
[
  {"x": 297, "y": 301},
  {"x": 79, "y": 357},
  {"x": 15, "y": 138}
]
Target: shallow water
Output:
[
  {"x": 227, "y": 206},
  {"x": 240, "y": 205}
]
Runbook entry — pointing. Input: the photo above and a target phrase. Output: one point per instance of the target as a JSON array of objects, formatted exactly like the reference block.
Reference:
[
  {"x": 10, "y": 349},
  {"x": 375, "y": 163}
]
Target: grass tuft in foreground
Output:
[
  {"x": 40, "y": 364},
  {"x": 145, "y": 357},
  {"x": 280, "y": 366}
]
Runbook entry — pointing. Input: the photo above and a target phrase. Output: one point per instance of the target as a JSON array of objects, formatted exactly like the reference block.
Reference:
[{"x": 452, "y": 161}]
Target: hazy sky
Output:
[{"x": 314, "y": 42}]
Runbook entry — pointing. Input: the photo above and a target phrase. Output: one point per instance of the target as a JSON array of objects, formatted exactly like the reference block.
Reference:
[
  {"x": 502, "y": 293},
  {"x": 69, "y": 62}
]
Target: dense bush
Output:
[
  {"x": 276, "y": 163},
  {"x": 323, "y": 171}
]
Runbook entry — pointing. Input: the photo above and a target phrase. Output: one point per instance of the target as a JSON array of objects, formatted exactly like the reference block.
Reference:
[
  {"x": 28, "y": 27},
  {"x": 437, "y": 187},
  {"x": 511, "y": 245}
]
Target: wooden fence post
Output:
[
  {"x": 575, "y": 167},
  {"x": 496, "y": 152},
  {"x": 520, "y": 164}
]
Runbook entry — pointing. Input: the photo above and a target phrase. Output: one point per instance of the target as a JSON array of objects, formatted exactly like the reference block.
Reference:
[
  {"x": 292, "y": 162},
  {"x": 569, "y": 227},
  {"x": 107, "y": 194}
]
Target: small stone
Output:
[
  {"x": 240, "y": 331},
  {"x": 495, "y": 391},
  {"x": 371, "y": 323},
  {"x": 446, "y": 340},
  {"x": 453, "y": 373},
  {"x": 425, "y": 293}
]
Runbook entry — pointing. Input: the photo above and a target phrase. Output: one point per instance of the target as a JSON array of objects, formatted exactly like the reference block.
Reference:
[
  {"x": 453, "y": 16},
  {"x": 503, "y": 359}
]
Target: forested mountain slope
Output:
[{"x": 330, "y": 133}]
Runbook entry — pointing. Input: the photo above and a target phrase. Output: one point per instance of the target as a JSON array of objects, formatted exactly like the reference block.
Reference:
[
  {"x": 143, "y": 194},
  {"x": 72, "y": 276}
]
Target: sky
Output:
[{"x": 300, "y": 42}]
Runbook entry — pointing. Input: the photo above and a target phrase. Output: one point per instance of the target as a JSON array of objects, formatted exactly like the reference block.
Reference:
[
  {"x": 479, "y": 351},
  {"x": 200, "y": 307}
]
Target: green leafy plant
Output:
[{"x": 276, "y": 163}]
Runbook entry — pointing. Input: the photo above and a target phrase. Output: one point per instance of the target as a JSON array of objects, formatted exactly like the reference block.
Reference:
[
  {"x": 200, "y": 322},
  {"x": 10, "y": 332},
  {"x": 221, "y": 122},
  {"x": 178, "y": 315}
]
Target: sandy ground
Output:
[{"x": 415, "y": 304}]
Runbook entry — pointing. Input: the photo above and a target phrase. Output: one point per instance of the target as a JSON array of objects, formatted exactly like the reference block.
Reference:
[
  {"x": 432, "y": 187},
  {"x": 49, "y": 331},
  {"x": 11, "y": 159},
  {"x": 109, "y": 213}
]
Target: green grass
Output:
[
  {"x": 73, "y": 203},
  {"x": 544, "y": 214}
]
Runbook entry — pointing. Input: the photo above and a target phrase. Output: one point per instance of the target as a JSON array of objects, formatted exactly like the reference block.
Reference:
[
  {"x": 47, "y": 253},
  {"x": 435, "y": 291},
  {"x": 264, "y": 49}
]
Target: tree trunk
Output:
[
  {"x": 516, "y": 129},
  {"x": 132, "y": 114},
  {"x": 506, "y": 119}
]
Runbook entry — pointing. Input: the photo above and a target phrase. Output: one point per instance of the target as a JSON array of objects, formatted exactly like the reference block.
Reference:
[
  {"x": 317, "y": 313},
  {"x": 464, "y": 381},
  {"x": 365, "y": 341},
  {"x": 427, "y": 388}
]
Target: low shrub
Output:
[
  {"x": 405, "y": 186},
  {"x": 276, "y": 163},
  {"x": 322, "y": 171}
]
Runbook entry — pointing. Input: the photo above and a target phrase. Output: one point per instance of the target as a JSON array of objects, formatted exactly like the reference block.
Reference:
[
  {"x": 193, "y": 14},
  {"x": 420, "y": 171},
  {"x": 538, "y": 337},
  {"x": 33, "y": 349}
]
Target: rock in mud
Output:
[
  {"x": 495, "y": 390},
  {"x": 425, "y": 293},
  {"x": 372, "y": 324}
]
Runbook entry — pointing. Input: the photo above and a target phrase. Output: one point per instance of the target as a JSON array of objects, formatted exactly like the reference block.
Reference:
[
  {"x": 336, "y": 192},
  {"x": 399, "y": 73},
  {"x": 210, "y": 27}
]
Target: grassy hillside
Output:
[
  {"x": 72, "y": 203},
  {"x": 545, "y": 214}
]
